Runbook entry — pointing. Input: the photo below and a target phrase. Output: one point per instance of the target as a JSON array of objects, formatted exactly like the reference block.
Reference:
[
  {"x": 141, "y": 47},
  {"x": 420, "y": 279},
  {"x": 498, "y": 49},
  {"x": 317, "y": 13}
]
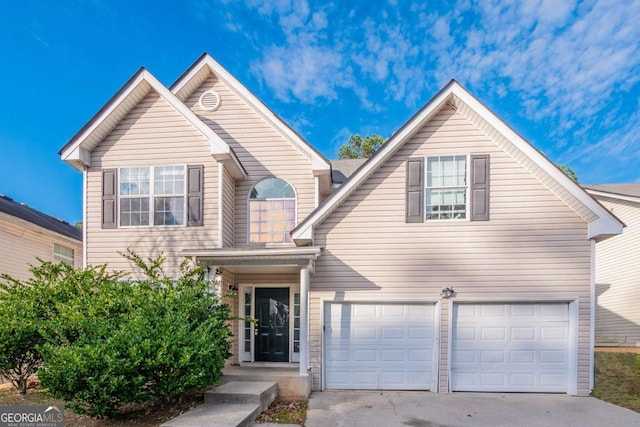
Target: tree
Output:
[
  {"x": 361, "y": 148},
  {"x": 569, "y": 172}
]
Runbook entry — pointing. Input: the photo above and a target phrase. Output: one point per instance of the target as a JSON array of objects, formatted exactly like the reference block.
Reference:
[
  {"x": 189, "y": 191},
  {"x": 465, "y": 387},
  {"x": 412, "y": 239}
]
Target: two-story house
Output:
[{"x": 458, "y": 258}]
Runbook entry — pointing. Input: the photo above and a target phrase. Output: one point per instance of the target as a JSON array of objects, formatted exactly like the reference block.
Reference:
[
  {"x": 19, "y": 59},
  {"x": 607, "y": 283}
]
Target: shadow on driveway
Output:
[{"x": 424, "y": 409}]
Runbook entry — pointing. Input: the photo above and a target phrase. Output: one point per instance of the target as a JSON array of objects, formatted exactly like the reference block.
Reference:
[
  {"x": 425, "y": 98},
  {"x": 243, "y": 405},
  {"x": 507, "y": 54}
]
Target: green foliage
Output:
[
  {"x": 359, "y": 148},
  {"x": 569, "y": 172},
  {"x": 19, "y": 334},
  {"x": 105, "y": 342}
]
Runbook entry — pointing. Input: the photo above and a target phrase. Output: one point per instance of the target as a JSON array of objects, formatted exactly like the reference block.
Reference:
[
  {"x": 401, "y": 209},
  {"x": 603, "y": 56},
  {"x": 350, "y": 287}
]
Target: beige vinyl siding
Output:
[
  {"x": 228, "y": 210},
  {"x": 21, "y": 243},
  {"x": 618, "y": 279},
  {"x": 263, "y": 151},
  {"x": 152, "y": 134},
  {"x": 534, "y": 246}
]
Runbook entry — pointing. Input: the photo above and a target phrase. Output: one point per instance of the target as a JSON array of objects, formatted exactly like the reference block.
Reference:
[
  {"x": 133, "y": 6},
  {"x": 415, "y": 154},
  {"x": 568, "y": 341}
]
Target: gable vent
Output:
[{"x": 209, "y": 100}]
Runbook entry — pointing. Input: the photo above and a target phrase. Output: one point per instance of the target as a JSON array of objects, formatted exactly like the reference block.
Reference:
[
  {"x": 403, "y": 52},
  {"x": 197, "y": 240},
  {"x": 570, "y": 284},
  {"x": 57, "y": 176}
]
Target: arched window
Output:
[{"x": 272, "y": 211}]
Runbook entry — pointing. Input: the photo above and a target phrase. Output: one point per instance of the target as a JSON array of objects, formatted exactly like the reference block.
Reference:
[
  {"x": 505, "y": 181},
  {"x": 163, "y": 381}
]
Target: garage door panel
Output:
[
  {"x": 378, "y": 346},
  {"x": 510, "y": 347}
]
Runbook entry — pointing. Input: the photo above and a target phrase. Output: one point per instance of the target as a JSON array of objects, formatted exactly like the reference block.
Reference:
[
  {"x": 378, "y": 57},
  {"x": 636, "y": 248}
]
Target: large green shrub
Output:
[{"x": 105, "y": 341}]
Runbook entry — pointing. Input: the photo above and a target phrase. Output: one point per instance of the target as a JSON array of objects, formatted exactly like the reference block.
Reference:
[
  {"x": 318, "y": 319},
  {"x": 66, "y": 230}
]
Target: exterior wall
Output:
[
  {"x": 263, "y": 152},
  {"x": 21, "y": 243},
  {"x": 152, "y": 134},
  {"x": 618, "y": 279},
  {"x": 533, "y": 246}
]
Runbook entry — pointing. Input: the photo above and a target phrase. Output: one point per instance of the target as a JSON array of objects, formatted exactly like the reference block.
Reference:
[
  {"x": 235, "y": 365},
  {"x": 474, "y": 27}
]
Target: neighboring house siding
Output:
[
  {"x": 618, "y": 279},
  {"x": 22, "y": 243},
  {"x": 228, "y": 210},
  {"x": 152, "y": 134},
  {"x": 262, "y": 150},
  {"x": 533, "y": 246}
]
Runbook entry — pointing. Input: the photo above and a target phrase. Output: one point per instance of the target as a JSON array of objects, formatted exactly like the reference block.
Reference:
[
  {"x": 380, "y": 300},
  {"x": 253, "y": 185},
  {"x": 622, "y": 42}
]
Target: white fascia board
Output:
[
  {"x": 67, "y": 153},
  {"x": 613, "y": 195},
  {"x": 385, "y": 152},
  {"x": 317, "y": 162},
  {"x": 608, "y": 224}
]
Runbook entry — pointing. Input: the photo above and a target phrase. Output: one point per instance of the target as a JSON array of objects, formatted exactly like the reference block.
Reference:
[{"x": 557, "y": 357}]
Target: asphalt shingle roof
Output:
[{"x": 22, "y": 211}]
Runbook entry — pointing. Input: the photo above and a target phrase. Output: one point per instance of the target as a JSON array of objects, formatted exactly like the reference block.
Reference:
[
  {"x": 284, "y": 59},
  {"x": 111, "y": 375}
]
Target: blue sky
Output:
[{"x": 564, "y": 74}]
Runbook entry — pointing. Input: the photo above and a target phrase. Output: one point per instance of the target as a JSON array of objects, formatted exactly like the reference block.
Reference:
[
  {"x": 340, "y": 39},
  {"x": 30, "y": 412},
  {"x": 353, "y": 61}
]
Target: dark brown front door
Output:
[{"x": 272, "y": 337}]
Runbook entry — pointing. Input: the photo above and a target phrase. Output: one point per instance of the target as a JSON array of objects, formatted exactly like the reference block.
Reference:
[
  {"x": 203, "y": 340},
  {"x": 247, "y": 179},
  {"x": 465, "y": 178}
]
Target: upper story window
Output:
[
  {"x": 272, "y": 211},
  {"x": 446, "y": 187},
  {"x": 63, "y": 254},
  {"x": 152, "y": 196}
]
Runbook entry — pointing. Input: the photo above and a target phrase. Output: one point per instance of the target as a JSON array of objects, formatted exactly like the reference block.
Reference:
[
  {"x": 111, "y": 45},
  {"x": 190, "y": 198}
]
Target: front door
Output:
[{"x": 272, "y": 330}]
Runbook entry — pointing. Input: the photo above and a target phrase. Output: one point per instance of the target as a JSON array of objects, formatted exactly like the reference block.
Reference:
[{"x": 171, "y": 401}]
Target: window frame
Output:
[
  {"x": 466, "y": 187},
  {"x": 66, "y": 258},
  {"x": 295, "y": 212},
  {"x": 152, "y": 196}
]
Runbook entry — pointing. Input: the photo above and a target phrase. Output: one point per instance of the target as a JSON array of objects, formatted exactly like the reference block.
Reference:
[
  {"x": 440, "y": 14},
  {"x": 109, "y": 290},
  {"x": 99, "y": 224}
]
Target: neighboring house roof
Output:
[
  {"x": 26, "y": 213},
  {"x": 206, "y": 65},
  {"x": 630, "y": 192},
  {"x": 342, "y": 169},
  {"x": 601, "y": 222},
  {"x": 77, "y": 151}
]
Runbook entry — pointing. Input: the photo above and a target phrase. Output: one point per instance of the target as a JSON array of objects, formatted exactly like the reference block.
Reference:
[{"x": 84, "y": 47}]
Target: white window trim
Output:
[
  {"x": 295, "y": 214},
  {"x": 467, "y": 211},
  {"x": 151, "y": 196}
]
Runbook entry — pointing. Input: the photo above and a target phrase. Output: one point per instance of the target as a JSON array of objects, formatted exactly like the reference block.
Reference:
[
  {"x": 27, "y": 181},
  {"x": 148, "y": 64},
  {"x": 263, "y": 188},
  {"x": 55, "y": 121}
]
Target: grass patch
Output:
[
  {"x": 285, "y": 411},
  {"x": 147, "y": 414},
  {"x": 617, "y": 379}
]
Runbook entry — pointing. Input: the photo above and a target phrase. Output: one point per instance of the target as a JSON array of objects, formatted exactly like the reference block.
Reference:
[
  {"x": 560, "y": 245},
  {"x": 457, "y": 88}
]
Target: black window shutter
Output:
[
  {"x": 109, "y": 196},
  {"x": 195, "y": 205},
  {"x": 415, "y": 190},
  {"x": 479, "y": 187}
]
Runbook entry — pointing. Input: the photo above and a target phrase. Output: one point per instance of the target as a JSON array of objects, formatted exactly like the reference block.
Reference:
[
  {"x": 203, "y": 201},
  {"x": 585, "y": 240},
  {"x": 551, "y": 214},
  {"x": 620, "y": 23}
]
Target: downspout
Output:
[
  {"x": 84, "y": 217},
  {"x": 592, "y": 318}
]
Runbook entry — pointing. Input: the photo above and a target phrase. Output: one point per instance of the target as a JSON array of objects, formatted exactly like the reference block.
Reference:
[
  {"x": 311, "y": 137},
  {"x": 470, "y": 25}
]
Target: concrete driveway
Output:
[{"x": 424, "y": 409}]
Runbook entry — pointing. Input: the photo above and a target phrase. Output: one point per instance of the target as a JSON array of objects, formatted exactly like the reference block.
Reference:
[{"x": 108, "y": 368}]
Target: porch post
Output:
[{"x": 304, "y": 320}]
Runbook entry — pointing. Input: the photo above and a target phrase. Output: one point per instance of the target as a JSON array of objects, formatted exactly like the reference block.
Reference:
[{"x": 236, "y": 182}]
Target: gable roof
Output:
[
  {"x": 26, "y": 213},
  {"x": 191, "y": 79},
  {"x": 629, "y": 192},
  {"x": 77, "y": 152},
  {"x": 601, "y": 222}
]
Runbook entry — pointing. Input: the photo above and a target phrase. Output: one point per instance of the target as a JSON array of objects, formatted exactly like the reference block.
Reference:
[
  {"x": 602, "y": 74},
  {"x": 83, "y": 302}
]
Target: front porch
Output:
[
  {"x": 271, "y": 286},
  {"x": 290, "y": 382}
]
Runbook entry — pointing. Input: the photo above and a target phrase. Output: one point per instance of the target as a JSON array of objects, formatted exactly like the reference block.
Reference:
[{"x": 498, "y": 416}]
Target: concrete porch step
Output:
[
  {"x": 234, "y": 404},
  {"x": 290, "y": 383},
  {"x": 218, "y": 415},
  {"x": 260, "y": 392}
]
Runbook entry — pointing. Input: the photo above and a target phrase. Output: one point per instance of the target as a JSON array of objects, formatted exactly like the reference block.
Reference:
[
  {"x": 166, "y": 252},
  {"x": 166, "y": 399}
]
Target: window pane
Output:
[
  {"x": 446, "y": 187},
  {"x": 63, "y": 254},
  {"x": 134, "y": 181},
  {"x": 169, "y": 180},
  {"x": 168, "y": 211},
  {"x": 134, "y": 211},
  {"x": 271, "y": 218},
  {"x": 272, "y": 188}
]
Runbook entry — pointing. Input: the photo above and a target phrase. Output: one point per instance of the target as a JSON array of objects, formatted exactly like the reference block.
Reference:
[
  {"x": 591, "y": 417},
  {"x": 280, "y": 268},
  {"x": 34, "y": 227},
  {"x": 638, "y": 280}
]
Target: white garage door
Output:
[
  {"x": 378, "y": 346},
  {"x": 510, "y": 347}
]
